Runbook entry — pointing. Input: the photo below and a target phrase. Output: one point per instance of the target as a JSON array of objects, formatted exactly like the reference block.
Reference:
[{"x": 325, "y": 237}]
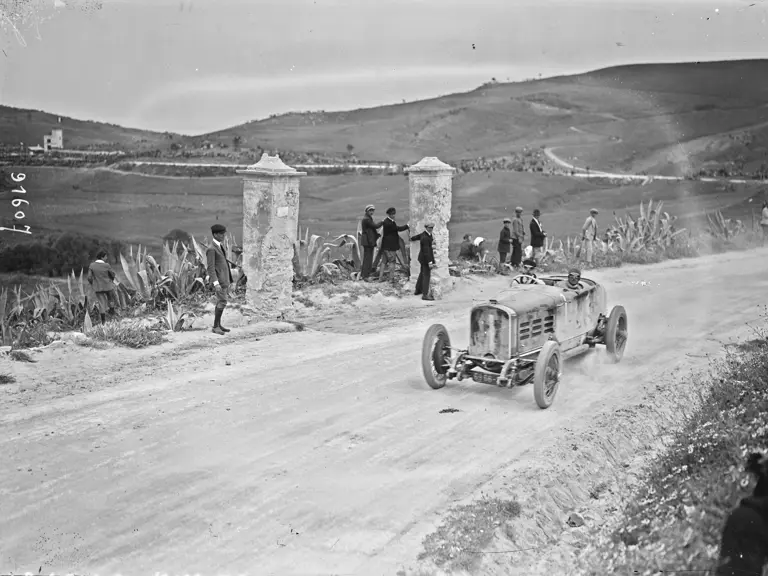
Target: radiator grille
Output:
[{"x": 536, "y": 327}]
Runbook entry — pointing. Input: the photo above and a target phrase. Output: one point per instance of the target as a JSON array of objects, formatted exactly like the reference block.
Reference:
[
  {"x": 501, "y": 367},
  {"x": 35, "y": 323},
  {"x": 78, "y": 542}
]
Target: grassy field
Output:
[{"x": 142, "y": 209}]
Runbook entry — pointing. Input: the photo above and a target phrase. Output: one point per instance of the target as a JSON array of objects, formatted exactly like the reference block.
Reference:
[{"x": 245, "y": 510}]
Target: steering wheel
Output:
[{"x": 528, "y": 280}]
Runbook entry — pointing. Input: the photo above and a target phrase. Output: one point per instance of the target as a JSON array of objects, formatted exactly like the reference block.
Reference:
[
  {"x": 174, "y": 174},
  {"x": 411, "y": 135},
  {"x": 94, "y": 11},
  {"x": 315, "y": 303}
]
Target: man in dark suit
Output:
[
  {"x": 368, "y": 236},
  {"x": 220, "y": 273},
  {"x": 537, "y": 236},
  {"x": 103, "y": 280},
  {"x": 505, "y": 243},
  {"x": 390, "y": 244},
  {"x": 426, "y": 260}
]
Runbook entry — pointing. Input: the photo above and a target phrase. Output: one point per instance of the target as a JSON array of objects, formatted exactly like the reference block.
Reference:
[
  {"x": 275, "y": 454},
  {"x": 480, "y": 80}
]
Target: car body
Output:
[{"x": 525, "y": 333}]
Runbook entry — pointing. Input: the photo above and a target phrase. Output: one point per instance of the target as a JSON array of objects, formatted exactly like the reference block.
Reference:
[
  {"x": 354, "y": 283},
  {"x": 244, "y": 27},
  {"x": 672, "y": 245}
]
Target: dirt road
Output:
[{"x": 318, "y": 452}]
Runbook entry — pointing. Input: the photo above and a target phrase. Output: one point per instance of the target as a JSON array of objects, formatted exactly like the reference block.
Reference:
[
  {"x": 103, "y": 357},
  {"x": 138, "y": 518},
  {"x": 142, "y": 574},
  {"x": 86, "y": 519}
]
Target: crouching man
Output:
[{"x": 220, "y": 273}]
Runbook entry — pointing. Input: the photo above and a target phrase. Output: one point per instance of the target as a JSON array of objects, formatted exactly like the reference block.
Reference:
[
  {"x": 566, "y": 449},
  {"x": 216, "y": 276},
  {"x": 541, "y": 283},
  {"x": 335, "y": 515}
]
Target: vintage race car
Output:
[{"x": 525, "y": 334}]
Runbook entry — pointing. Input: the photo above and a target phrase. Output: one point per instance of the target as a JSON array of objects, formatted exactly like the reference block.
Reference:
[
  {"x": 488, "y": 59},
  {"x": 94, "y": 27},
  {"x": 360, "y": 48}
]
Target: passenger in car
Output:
[{"x": 572, "y": 283}]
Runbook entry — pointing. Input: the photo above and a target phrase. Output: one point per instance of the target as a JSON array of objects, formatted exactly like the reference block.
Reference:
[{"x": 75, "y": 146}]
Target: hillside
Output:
[
  {"x": 29, "y": 126},
  {"x": 659, "y": 118}
]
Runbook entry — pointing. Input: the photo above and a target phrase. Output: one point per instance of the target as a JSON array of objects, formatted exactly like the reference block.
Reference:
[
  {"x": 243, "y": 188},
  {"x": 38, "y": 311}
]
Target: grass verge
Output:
[
  {"x": 467, "y": 531},
  {"x": 128, "y": 334},
  {"x": 675, "y": 521}
]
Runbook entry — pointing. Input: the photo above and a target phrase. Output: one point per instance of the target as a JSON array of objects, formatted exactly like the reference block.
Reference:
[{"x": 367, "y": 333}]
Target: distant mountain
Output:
[{"x": 663, "y": 118}]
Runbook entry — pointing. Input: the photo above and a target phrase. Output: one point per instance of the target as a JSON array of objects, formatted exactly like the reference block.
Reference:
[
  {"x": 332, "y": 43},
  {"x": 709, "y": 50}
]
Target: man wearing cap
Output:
[
  {"x": 505, "y": 243},
  {"x": 527, "y": 275},
  {"x": 390, "y": 244},
  {"x": 589, "y": 234},
  {"x": 537, "y": 235},
  {"x": 368, "y": 236},
  {"x": 518, "y": 238},
  {"x": 221, "y": 274},
  {"x": 572, "y": 283},
  {"x": 426, "y": 260}
]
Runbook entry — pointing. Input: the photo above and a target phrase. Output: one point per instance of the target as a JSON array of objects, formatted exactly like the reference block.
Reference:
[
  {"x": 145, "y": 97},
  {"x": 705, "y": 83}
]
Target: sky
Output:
[{"x": 196, "y": 66}]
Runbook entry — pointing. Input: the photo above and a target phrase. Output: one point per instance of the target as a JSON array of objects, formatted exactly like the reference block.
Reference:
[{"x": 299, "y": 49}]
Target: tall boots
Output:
[
  {"x": 217, "y": 327},
  {"x": 103, "y": 318}
]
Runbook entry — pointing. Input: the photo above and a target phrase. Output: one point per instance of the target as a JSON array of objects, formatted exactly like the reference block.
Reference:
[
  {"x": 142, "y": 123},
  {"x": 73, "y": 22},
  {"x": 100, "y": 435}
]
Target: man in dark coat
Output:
[
  {"x": 390, "y": 244},
  {"x": 369, "y": 236},
  {"x": 505, "y": 242},
  {"x": 426, "y": 260},
  {"x": 537, "y": 236},
  {"x": 103, "y": 280},
  {"x": 466, "y": 251},
  {"x": 220, "y": 273}
]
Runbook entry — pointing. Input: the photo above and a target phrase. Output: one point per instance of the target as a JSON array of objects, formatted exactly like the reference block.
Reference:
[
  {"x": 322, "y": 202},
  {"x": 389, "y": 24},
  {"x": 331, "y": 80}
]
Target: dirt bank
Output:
[{"x": 323, "y": 452}]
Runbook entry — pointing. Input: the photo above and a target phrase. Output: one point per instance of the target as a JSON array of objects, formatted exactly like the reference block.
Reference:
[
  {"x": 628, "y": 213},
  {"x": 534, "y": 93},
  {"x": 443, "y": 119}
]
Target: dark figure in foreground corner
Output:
[
  {"x": 744, "y": 546},
  {"x": 220, "y": 273},
  {"x": 103, "y": 280},
  {"x": 369, "y": 236},
  {"x": 426, "y": 261}
]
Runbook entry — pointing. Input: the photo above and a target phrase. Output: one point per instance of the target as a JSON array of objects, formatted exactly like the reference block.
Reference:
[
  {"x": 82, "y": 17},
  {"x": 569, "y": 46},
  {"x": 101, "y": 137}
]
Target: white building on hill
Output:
[{"x": 54, "y": 140}]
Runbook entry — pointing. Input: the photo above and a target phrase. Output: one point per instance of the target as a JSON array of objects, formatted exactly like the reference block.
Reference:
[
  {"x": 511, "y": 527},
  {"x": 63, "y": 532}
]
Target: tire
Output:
[
  {"x": 435, "y": 354},
  {"x": 546, "y": 374},
  {"x": 616, "y": 334}
]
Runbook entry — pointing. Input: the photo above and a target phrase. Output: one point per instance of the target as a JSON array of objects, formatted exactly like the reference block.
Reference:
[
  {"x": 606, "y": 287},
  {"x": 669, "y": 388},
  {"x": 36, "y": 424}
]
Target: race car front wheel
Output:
[
  {"x": 616, "y": 333},
  {"x": 436, "y": 356},
  {"x": 546, "y": 374}
]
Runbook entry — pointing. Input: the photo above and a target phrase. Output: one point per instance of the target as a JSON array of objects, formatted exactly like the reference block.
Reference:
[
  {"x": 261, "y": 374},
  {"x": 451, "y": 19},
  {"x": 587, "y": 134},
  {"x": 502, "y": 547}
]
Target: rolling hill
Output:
[{"x": 658, "y": 118}]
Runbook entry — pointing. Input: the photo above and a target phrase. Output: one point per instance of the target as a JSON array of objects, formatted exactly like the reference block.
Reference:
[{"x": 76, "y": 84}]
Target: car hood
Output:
[{"x": 525, "y": 298}]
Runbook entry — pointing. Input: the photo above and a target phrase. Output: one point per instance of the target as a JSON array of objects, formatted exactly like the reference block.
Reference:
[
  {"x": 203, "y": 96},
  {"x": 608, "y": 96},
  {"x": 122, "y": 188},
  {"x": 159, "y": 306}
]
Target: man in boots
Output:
[
  {"x": 537, "y": 236},
  {"x": 220, "y": 273},
  {"x": 103, "y": 280},
  {"x": 369, "y": 235},
  {"x": 426, "y": 261},
  {"x": 518, "y": 238},
  {"x": 505, "y": 242}
]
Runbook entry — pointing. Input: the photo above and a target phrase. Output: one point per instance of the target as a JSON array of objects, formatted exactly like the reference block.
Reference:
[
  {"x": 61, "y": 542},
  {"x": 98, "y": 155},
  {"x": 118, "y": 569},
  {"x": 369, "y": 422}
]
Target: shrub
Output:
[{"x": 128, "y": 334}]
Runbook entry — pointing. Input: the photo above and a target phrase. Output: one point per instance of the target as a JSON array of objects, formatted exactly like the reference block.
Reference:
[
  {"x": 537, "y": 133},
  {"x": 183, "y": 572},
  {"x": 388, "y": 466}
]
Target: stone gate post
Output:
[
  {"x": 270, "y": 227},
  {"x": 430, "y": 182}
]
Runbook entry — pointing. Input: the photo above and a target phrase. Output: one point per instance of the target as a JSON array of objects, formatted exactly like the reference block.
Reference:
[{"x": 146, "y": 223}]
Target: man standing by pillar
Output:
[
  {"x": 220, "y": 273},
  {"x": 390, "y": 244},
  {"x": 537, "y": 236},
  {"x": 589, "y": 235},
  {"x": 426, "y": 261},
  {"x": 369, "y": 235},
  {"x": 505, "y": 243},
  {"x": 518, "y": 237}
]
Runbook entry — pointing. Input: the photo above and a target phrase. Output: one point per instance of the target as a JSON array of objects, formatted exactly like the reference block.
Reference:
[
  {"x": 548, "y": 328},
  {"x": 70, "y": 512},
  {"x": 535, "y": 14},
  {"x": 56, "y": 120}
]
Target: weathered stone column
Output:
[
  {"x": 430, "y": 201},
  {"x": 270, "y": 227}
]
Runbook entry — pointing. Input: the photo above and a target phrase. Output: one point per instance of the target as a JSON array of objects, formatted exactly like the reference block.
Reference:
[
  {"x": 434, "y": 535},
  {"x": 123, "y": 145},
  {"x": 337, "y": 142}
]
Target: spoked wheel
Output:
[
  {"x": 436, "y": 356},
  {"x": 616, "y": 333},
  {"x": 546, "y": 374}
]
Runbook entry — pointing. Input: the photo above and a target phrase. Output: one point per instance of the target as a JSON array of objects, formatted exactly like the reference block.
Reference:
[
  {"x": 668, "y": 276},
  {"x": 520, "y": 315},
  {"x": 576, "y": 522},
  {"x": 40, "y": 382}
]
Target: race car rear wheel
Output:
[
  {"x": 546, "y": 374},
  {"x": 436, "y": 356},
  {"x": 616, "y": 333}
]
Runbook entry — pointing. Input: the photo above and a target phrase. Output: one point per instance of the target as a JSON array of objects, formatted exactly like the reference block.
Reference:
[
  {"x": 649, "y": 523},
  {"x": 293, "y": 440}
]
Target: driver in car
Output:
[
  {"x": 574, "y": 275},
  {"x": 526, "y": 275}
]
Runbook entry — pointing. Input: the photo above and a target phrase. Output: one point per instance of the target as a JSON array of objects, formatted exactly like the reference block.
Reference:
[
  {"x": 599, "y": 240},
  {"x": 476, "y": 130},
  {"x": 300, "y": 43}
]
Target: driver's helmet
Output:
[
  {"x": 574, "y": 276},
  {"x": 528, "y": 265}
]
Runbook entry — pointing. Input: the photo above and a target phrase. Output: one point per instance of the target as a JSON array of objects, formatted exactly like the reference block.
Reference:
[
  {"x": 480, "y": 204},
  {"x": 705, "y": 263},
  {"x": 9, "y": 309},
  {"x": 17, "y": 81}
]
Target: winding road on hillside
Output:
[{"x": 315, "y": 452}]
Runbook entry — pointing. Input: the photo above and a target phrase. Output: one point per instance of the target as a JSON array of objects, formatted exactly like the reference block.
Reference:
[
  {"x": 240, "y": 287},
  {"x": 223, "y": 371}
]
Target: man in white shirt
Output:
[{"x": 589, "y": 235}]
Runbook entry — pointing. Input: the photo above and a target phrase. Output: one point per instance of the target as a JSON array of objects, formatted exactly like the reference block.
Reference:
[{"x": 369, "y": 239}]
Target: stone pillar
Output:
[
  {"x": 430, "y": 201},
  {"x": 270, "y": 227}
]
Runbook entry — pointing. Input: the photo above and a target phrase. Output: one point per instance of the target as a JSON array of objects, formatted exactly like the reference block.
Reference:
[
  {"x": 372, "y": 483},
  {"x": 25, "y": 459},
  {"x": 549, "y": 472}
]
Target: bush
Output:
[
  {"x": 128, "y": 334},
  {"x": 674, "y": 523}
]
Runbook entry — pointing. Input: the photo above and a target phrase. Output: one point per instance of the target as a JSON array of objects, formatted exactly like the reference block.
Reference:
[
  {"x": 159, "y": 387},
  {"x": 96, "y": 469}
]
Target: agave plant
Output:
[
  {"x": 722, "y": 227},
  {"x": 72, "y": 304},
  {"x": 311, "y": 256},
  {"x": 177, "y": 320},
  {"x": 652, "y": 230},
  {"x": 179, "y": 274},
  {"x": 143, "y": 274},
  {"x": 6, "y": 313}
]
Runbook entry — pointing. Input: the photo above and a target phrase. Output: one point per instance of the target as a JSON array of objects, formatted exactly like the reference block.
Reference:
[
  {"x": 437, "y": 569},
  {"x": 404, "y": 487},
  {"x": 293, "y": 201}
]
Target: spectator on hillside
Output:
[
  {"x": 369, "y": 236},
  {"x": 221, "y": 274},
  {"x": 103, "y": 280},
  {"x": 537, "y": 236},
  {"x": 518, "y": 238},
  {"x": 589, "y": 235},
  {"x": 505, "y": 243},
  {"x": 426, "y": 260},
  {"x": 390, "y": 245},
  {"x": 764, "y": 221},
  {"x": 466, "y": 251}
]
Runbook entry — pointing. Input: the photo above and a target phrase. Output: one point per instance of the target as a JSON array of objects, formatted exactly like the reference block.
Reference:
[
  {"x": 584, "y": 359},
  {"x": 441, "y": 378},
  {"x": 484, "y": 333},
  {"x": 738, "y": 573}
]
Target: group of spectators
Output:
[{"x": 512, "y": 240}]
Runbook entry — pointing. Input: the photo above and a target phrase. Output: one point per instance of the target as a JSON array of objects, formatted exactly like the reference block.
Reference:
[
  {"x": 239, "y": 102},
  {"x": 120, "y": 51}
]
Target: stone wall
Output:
[
  {"x": 270, "y": 225},
  {"x": 431, "y": 184}
]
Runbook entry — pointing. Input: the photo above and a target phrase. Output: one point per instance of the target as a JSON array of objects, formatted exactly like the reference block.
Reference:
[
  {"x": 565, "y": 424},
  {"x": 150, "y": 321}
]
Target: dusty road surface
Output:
[{"x": 316, "y": 452}]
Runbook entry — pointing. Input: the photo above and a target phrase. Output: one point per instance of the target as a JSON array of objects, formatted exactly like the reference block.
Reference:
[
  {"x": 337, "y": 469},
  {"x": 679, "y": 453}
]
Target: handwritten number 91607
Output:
[{"x": 18, "y": 203}]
